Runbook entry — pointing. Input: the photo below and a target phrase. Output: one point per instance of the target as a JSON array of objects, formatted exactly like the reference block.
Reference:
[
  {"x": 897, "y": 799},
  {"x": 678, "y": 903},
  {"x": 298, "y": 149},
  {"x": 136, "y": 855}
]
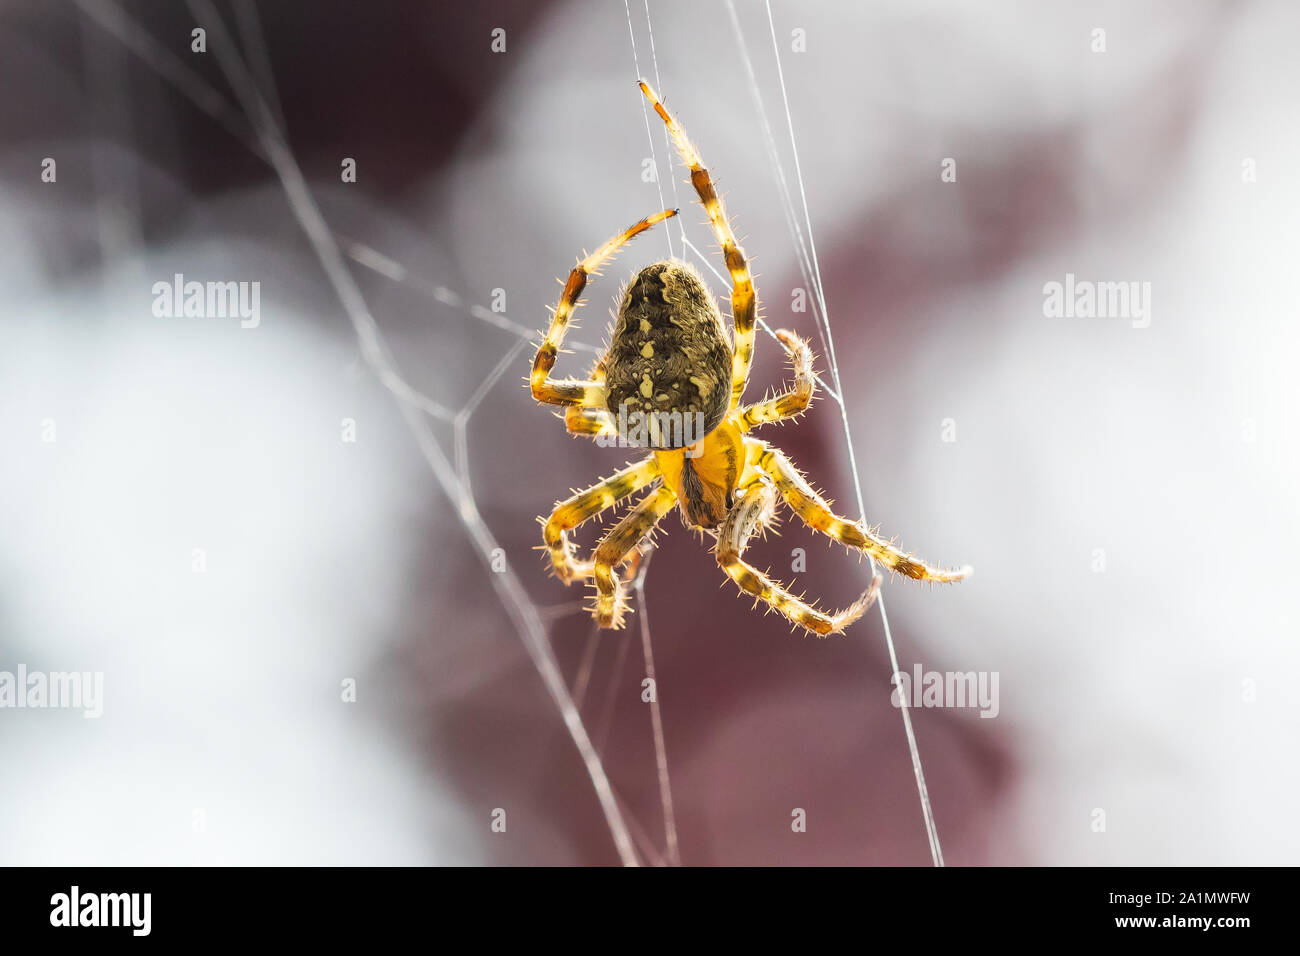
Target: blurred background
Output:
[{"x": 301, "y": 553}]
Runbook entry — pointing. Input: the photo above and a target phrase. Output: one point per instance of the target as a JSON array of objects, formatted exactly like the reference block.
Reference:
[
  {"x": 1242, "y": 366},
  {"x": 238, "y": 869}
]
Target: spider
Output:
[{"x": 671, "y": 361}]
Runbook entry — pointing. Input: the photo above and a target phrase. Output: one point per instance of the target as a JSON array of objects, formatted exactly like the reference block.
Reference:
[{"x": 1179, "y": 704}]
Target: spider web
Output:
[{"x": 256, "y": 121}]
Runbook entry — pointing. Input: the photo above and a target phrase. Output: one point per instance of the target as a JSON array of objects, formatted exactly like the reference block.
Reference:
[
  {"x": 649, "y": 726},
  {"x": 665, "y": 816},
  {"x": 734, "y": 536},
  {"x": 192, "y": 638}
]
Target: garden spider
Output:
[{"x": 670, "y": 361}]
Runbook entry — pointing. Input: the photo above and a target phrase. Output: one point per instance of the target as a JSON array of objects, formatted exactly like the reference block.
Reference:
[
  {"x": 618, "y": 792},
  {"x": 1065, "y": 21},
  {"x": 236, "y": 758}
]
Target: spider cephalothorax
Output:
[{"x": 673, "y": 380}]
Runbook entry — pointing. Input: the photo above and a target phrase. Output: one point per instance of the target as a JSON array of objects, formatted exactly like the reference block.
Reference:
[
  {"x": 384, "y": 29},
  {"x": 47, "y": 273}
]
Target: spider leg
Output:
[
  {"x": 791, "y": 403},
  {"x": 754, "y": 509},
  {"x": 611, "y": 591},
  {"x": 743, "y": 301},
  {"x": 595, "y": 422},
  {"x": 817, "y": 514},
  {"x": 587, "y": 393},
  {"x": 587, "y": 504}
]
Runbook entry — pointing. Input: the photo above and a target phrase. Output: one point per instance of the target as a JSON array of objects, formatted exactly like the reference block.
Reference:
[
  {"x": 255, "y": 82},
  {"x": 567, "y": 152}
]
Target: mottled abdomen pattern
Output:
[{"x": 669, "y": 354}]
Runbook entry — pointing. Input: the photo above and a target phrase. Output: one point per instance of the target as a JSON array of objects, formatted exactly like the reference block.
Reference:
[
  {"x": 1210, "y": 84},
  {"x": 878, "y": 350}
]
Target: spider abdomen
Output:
[{"x": 668, "y": 371}]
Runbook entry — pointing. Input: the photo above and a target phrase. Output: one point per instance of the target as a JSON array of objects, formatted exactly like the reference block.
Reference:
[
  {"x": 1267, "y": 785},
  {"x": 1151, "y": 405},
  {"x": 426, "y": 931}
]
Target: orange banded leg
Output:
[
  {"x": 589, "y": 393},
  {"x": 611, "y": 591},
  {"x": 816, "y": 513},
  {"x": 743, "y": 302},
  {"x": 793, "y": 402},
  {"x": 753, "y": 510},
  {"x": 587, "y": 504}
]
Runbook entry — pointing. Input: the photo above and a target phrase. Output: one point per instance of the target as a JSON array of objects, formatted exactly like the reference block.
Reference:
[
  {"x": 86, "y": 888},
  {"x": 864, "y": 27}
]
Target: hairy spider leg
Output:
[
  {"x": 755, "y": 508},
  {"x": 586, "y": 393},
  {"x": 595, "y": 422},
  {"x": 744, "y": 304},
  {"x": 788, "y": 404},
  {"x": 586, "y": 505},
  {"x": 816, "y": 513},
  {"x": 637, "y": 524}
]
